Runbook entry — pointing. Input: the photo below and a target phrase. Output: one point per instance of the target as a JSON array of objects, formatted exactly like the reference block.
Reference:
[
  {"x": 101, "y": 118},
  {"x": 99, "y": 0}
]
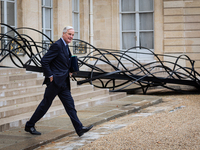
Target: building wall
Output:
[
  {"x": 158, "y": 27},
  {"x": 182, "y": 29},
  {"x": 62, "y": 15},
  {"x": 106, "y": 24},
  {"x": 84, "y": 20},
  {"x": 29, "y": 15}
]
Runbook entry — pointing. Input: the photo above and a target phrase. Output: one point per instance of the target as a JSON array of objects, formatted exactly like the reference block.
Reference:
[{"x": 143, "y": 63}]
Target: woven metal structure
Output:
[{"x": 117, "y": 70}]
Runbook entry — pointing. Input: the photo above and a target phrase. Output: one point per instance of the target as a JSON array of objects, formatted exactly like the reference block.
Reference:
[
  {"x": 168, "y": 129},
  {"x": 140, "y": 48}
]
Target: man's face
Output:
[{"x": 68, "y": 36}]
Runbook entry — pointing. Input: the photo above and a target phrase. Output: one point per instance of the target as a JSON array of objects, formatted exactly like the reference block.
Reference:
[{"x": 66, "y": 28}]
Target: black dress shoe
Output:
[
  {"x": 84, "y": 130},
  {"x": 32, "y": 130}
]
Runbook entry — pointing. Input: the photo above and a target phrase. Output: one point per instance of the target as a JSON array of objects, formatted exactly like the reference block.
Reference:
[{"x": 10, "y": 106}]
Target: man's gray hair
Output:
[{"x": 67, "y": 28}]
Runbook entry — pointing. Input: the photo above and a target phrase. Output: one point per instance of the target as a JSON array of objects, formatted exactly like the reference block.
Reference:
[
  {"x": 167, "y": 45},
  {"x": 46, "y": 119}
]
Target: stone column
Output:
[{"x": 158, "y": 27}]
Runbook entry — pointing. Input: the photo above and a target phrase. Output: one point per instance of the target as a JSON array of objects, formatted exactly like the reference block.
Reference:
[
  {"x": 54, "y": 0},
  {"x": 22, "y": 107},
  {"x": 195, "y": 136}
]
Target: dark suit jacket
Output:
[{"x": 56, "y": 62}]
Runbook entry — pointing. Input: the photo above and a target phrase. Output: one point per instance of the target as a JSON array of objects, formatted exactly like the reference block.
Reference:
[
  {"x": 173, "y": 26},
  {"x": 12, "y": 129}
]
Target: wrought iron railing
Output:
[{"x": 113, "y": 69}]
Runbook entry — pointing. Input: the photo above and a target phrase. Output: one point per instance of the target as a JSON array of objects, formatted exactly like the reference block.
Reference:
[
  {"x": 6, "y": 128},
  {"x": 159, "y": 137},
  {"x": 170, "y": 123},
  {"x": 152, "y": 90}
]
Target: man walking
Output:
[{"x": 56, "y": 66}]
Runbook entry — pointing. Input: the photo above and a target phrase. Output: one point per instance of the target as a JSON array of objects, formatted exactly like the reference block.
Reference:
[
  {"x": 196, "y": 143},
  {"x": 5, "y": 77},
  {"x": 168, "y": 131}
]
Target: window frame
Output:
[
  {"x": 73, "y": 18},
  {"x": 44, "y": 29},
  {"x": 137, "y": 30},
  {"x": 5, "y": 14}
]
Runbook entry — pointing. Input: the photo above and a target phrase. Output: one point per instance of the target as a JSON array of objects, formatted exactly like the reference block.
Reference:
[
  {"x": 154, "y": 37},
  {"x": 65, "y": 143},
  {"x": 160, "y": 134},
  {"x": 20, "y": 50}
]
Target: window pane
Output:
[
  {"x": 75, "y": 5},
  {"x": 145, "y": 5},
  {"x": 75, "y": 35},
  {"x": 48, "y": 33},
  {"x": 2, "y": 12},
  {"x": 147, "y": 39},
  {"x": 146, "y": 21},
  {"x": 10, "y": 14},
  {"x": 128, "y": 5},
  {"x": 128, "y": 40},
  {"x": 75, "y": 22},
  {"x": 48, "y": 3},
  {"x": 76, "y": 18},
  {"x": 128, "y": 22},
  {"x": 48, "y": 18}
]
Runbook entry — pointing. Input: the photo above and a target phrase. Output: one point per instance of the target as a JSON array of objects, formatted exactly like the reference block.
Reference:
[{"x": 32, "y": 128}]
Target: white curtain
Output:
[
  {"x": 145, "y": 5},
  {"x": 128, "y": 5},
  {"x": 146, "y": 21},
  {"x": 47, "y": 18},
  {"x": 127, "y": 40},
  {"x": 48, "y": 3},
  {"x": 145, "y": 24},
  {"x": 128, "y": 22},
  {"x": 11, "y": 14},
  {"x": 147, "y": 39}
]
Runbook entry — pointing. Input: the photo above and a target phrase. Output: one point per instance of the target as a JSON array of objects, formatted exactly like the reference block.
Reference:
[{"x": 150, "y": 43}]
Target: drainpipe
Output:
[{"x": 91, "y": 23}]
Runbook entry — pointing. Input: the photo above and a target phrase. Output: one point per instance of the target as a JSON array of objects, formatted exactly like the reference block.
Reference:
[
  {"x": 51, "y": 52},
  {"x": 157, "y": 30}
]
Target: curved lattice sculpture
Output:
[
  {"x": 114, "y": 69},
  {"x": 14, "y": 44},
  {"x": 119, "y": 71}
]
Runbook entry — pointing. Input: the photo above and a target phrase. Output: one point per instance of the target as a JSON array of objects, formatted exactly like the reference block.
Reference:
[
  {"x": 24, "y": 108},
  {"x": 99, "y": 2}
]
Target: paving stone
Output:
[{"x": 61, "y": 126}]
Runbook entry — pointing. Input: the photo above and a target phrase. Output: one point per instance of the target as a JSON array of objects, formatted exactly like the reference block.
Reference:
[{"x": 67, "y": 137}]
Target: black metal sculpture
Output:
[{"x": 113, "y": 69}]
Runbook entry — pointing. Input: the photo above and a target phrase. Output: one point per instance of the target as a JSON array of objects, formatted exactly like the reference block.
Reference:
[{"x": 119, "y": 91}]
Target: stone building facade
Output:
[
  {"x": 181, "y": 29},
  {"x": 176, "y": 23}
]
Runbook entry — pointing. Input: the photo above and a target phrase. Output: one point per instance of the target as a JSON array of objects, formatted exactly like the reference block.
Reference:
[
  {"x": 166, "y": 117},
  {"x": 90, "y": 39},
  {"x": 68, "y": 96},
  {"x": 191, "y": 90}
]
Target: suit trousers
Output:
[{"x": 64, "y": 94}]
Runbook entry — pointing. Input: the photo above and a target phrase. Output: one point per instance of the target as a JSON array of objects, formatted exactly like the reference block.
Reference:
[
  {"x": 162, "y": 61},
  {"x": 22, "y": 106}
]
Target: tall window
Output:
[
  {"x": 75, "y": 12},
  {"x": 47, "y": 18},
  {"x": 8, "y": 15},
  {"x": 137, "y": 23}
]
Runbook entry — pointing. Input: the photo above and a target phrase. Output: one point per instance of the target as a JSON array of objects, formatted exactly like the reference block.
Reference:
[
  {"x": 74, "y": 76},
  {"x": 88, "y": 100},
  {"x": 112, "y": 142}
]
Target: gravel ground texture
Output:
[{"x": 172, "y": 129}]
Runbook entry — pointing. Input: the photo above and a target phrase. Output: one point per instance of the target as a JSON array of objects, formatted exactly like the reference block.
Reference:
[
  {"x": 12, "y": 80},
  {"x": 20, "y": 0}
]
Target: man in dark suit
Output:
[{"x": 56, "y": 67}]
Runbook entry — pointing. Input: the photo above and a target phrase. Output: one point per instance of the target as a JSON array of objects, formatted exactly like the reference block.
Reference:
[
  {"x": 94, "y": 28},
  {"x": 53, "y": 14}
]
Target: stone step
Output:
[
  {"x": 4, "y": 79},
  {"x": 37, "y": 96},
  {"x": 17, "y": 109},
  {"x": 39, "y": 81},
  {"x": 22, "y": 76},
  {"x": 90, "y": 94},
  {"x": 16, "y": 100},
  {"x": 73, "y": 84},
  {"x": 117, "y": 95},
  {"x": 21, "y": 91},
  {"x": 11, "y": 71},
  {"x": 18, "y": 84},
  {"x": 99, "y": 100},
  {"x": 14, "y": 78},
  {"x": 31, "y": 105},
  {"x": 32, "y": 89},
  {"x": 117, "y": 82},
  {"x": 83, "y": 88},
  {"x": 55, "y": 110}
]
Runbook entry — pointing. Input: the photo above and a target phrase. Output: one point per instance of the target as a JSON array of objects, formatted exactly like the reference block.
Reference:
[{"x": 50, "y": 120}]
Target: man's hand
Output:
[
  {"x": 70, "y": 74},
  {"x": 51, "y": 78}
]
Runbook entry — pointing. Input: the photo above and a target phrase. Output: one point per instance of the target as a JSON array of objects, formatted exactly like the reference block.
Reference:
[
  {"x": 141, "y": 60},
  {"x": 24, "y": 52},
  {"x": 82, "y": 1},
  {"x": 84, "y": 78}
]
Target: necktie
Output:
[{"x": 67, "y": 49}]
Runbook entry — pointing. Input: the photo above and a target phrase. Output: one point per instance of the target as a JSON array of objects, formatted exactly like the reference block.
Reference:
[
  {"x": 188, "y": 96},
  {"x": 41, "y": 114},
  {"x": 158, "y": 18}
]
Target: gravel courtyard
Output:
[{"x": 171, "y": 129}]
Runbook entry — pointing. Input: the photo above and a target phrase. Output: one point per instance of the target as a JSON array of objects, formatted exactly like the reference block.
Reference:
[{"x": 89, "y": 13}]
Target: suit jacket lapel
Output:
[
  {"x": 70, "y": 55},
  {"x": 67, "y": 55},
  {"x": 65, "y": 51}
]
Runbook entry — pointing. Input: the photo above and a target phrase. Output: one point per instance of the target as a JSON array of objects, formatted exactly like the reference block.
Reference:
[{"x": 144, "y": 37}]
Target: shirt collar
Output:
[{"x": 63, "y": 41}]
